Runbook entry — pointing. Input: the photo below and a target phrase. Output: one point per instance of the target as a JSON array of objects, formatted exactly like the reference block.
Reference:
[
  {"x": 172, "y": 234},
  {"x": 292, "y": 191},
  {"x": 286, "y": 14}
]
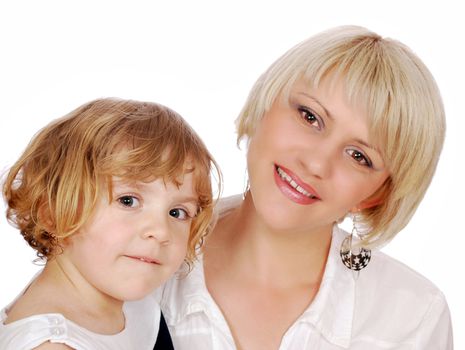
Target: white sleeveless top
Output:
[{"x": 140, "y": 332}]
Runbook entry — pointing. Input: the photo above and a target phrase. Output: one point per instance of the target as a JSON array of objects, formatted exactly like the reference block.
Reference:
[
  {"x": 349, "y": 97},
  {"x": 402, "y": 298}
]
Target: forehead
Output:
[
  {"x": 184, "y": 183},
  {"x": 147, "y": 162},
  {"x": 330, "y": 94}
]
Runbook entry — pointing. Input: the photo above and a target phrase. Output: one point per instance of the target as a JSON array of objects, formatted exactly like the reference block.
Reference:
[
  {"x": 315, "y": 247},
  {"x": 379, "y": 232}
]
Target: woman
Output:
[{"x": 345, "y": 124}]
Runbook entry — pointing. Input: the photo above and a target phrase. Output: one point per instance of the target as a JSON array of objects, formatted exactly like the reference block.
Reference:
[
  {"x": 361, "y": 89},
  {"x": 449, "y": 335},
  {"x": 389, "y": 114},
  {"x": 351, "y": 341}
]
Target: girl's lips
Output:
[
  {"x": 144, "y": 259},
  {"x": 291, "y": 192}
]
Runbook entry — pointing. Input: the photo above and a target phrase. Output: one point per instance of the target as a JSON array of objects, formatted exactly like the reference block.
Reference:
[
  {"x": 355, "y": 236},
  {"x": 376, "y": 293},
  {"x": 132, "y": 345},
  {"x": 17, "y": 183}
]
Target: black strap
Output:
[{"x": 164, "y": 339}]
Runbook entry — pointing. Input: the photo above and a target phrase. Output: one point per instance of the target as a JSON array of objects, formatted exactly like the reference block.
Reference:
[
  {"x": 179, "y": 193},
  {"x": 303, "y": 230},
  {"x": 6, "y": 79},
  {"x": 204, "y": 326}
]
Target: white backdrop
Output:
[{"x": 201, "y": 58}]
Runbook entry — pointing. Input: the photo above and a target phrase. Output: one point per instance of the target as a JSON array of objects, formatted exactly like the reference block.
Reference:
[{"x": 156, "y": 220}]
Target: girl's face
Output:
[
  {"x": 311, "y": 160},
  {"x": 133, "y": 244}
]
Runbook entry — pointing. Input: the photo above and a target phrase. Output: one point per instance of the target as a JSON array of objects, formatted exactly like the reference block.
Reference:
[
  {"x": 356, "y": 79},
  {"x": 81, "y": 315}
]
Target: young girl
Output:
[
  {"x": 113, "y": 196},
  {"x": 346, "y": 123}
]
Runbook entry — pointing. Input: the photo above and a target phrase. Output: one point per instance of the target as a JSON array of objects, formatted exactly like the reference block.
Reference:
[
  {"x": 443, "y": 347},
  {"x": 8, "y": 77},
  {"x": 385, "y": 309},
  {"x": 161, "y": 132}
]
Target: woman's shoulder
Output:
[
  {"x": 226, "y": 205},
  {"x": 143, "y": 317},
  {"x": 415, "y": 308},
  {"x": 387, "y": 272},
  {"x": 229, "y": 202},
  {"x": 185, "y": 293}
]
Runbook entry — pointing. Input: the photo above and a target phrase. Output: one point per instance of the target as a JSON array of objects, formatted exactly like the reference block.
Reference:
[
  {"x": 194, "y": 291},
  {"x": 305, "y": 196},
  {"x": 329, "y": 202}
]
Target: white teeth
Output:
[
  {"x": 283, "y": 175},
  {"x": 301, "y": 190}
]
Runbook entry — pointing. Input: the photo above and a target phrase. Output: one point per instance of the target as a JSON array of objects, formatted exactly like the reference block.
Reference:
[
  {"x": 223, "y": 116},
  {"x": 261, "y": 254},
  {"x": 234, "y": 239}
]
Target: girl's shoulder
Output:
[
  {"x": 53, "y": 346},
  {"x": 35, "y": 299},
  {"x": 32, "y": 331},
  {"x": 25, "y": 325},
  {"x": 141, "y": 329}
]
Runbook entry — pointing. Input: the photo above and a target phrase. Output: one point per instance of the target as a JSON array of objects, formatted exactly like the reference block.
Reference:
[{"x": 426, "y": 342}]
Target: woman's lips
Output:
[{"x": 293, "y": 187}]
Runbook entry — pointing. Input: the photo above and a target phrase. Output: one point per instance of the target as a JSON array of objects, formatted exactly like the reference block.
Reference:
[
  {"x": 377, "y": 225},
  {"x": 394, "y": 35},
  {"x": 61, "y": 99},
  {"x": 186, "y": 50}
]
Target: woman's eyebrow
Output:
[
  {"x": 330, "y": 116},
  {"x": 318, "y": 102},
  {"x": 366, "y": 144}
]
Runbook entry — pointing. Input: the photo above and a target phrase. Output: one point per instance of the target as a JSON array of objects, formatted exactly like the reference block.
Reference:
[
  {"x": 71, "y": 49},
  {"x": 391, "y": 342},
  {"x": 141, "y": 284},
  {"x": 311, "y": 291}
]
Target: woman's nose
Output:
[{"x": 318, "y": 161}]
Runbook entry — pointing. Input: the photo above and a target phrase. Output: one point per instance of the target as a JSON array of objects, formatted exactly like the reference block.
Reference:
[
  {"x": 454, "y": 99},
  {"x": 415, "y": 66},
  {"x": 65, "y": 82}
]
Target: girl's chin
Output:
[{"x": 135, "y": 292}]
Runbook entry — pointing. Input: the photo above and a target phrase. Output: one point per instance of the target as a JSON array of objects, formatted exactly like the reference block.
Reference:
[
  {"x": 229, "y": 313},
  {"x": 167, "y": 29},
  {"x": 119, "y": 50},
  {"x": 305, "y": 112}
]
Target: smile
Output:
[
  {"x": 294, "y": 188},
  {"x": 283, "y": 175}
]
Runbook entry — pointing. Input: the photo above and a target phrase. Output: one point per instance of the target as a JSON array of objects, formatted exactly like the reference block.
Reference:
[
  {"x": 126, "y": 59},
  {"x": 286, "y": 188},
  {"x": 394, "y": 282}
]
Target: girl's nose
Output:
[{"x": 158, "y": 228}]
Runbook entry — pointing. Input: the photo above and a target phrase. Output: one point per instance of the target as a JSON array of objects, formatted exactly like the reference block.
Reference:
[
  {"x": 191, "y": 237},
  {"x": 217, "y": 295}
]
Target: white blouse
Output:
[{"x": 389, "y": 306}]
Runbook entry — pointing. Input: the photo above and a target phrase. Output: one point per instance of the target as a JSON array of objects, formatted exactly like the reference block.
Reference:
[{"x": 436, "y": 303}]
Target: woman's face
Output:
[{"x": 311, "y": 160}]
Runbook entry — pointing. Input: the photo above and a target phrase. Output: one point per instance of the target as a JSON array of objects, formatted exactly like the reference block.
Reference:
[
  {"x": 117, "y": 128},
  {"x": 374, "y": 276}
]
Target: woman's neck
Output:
[{"x": 278, "y": 258}]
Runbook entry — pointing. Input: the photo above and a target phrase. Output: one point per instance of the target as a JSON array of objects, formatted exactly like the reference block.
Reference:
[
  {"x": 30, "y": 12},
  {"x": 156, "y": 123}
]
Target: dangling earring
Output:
[
  {"x": 355, "y": 262},
  {"x": 246, "y": 184}
]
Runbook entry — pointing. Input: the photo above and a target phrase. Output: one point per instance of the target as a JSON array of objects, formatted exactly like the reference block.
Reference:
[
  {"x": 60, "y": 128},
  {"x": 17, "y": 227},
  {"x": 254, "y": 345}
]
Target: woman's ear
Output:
[
  {"x": 366, "y": 203},
  {"x": 375, "y": 199}
]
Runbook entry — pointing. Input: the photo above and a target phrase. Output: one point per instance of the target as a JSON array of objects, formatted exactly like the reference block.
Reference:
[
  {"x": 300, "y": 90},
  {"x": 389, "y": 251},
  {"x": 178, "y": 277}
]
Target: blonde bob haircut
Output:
[
  {"x": 53, "y": 189},
  {"x": 400, "y": 97}
]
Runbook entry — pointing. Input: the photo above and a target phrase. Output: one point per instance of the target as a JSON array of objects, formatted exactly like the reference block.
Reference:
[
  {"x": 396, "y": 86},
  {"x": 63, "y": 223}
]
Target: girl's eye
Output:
[
  {"x": 129, "y": 201},
  {"x": 179, "y": 213},
  {"x": 360, "y": 158},
  {"x": 311, "y": 118}
]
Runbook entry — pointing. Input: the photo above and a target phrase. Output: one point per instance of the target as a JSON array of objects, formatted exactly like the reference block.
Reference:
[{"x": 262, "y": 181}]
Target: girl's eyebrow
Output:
[
  {"x": 189, "y": 199},
  {"x": 143, "y": 186},
  {"x": 120, "y": 184}
]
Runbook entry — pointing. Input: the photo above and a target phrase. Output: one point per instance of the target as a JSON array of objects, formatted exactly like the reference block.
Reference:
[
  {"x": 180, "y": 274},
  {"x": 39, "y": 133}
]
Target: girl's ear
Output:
[{"x": 45, "y": 217}]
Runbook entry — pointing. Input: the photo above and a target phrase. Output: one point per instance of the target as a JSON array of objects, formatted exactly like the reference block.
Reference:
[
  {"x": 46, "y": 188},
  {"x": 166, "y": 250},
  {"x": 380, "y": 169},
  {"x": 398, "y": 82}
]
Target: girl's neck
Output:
[{"x": 80, "y": 301}]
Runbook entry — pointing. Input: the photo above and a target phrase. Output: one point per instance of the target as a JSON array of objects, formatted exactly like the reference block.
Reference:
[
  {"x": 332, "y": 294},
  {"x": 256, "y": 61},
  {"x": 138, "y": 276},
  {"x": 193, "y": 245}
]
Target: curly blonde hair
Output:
[{"x": 52, "y": 190}]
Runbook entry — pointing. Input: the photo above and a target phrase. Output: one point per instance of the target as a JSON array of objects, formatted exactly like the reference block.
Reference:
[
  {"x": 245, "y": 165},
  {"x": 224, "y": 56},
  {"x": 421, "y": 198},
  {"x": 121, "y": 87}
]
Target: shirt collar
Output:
[
  {"x": 332, "y": 309},
  {"x": 186, "y": 293}
]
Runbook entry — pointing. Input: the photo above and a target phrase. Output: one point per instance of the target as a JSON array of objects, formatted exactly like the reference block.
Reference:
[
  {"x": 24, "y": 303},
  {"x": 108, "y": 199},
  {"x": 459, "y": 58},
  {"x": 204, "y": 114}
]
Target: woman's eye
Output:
[
  {"x": 360, "y": 158},
  {"x": 129, "y": 201},
  {"x": 179, "y": 213},
  {"x": 311, "y": 118}
]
